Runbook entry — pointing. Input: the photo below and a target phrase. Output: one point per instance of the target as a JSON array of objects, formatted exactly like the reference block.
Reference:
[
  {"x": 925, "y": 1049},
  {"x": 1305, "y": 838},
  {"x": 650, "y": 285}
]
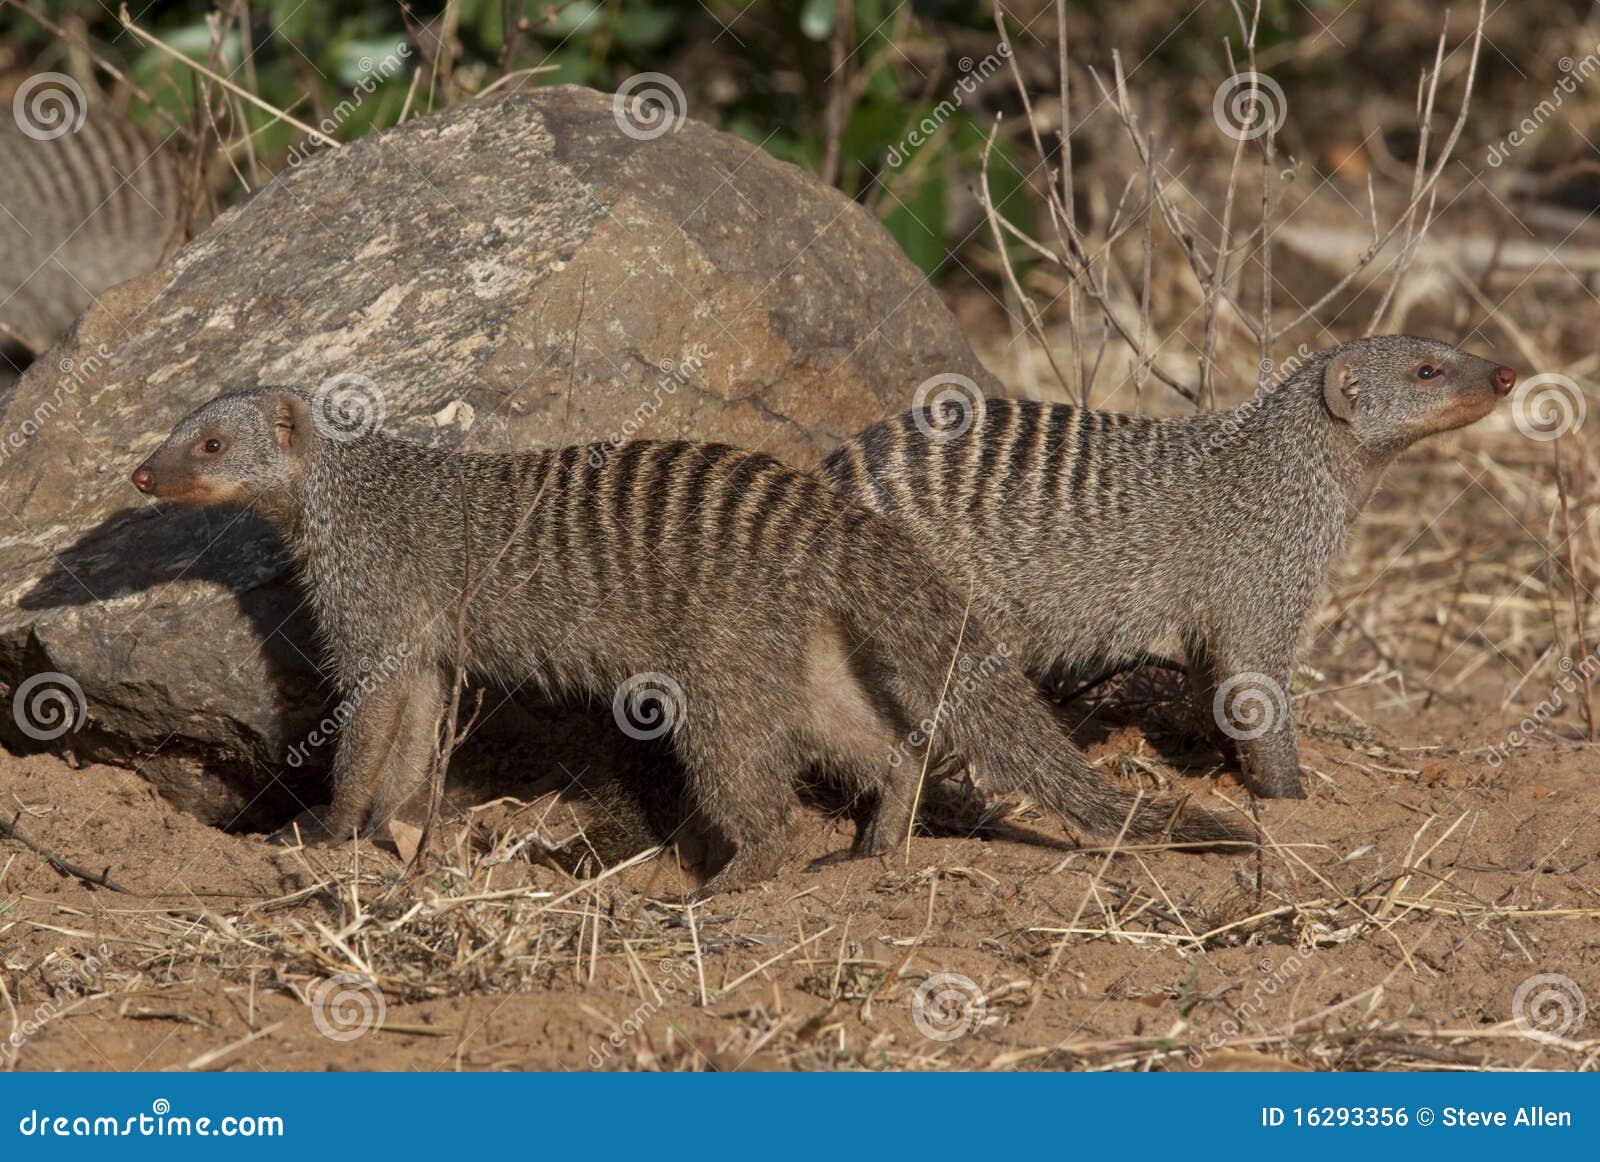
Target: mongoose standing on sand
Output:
[
  {"x": 1092, "y": 538},
  {"x": 792, "y": 626}
]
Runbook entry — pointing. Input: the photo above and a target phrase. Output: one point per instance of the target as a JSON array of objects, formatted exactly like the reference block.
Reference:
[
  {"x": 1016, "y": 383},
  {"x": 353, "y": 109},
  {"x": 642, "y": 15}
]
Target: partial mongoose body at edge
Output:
[
  {"x": 801, "y": 628},
  {"x": 1092, "y": 538}
]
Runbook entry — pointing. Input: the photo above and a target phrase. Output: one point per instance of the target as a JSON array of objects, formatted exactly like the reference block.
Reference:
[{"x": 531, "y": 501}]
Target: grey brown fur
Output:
[
  {"x": 81, "y": 213},
  {"x": 1091, "y": 538},
  {"x": 802, "y": 628}
]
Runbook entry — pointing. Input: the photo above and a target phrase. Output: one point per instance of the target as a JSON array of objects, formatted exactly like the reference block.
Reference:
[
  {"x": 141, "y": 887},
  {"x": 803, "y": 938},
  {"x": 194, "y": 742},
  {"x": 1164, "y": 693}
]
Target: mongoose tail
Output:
[
  {"x": 1092, "y": 538},
  {"x": 974, "y": 700}
]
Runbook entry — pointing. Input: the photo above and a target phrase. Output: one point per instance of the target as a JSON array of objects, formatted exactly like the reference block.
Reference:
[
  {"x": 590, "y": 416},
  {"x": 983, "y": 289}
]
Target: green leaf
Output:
[{"x": 917, "y": 221}]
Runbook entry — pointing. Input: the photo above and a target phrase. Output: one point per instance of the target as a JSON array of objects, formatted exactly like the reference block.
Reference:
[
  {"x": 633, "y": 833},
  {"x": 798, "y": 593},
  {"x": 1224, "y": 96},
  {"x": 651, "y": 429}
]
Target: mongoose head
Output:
[
  {"x": 1392, "y": 390},
  {"x": 246, "y": 447}
]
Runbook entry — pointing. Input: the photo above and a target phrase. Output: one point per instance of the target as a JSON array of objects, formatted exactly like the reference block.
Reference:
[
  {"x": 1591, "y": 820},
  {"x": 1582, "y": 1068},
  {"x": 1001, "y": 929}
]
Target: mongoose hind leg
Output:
[
  {"x": 852, "y": 725},
  {"x": 741, "y": 771}
]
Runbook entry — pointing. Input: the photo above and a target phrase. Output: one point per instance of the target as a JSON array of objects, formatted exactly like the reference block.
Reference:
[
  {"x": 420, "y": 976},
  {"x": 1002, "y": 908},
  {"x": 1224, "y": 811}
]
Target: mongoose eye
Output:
[
  {"x": 1427, "y": 371},
  {"x": 212, "y": 446}
]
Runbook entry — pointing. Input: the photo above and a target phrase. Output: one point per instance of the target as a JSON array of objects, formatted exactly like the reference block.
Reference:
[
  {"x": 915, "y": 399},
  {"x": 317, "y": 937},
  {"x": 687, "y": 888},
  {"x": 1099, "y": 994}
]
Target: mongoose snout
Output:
[
  {"x": 1092, "y": 538},
  {"x": 792, "y": 628}
]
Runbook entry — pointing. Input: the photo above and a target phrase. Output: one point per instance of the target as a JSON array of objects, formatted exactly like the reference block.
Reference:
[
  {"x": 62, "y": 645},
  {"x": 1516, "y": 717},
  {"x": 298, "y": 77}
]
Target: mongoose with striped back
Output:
[
  {"x": 793, "y": 627},
  {"x": 1093, "y": 538},
  {"x": 84, "y": 209}
]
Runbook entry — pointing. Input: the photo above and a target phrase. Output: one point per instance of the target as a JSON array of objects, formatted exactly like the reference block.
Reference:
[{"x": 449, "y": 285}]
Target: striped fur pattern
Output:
[
  {"x": 82, "y": 212},
  {"x": 792, "y": 627},
  {"x": 1090, "y": 538}
]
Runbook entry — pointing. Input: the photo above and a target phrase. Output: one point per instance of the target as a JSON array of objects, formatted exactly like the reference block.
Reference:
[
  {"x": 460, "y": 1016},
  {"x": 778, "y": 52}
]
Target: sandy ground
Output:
[{"x": 1391, "y": 925}]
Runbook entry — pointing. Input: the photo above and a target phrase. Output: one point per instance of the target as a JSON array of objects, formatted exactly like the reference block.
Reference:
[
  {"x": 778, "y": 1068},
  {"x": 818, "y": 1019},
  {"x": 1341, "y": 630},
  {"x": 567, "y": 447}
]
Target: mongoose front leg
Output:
[
  {"x": 378, "y": 751},
  {"x": 402, "y": 787},
  {"x": 1249, "y": 704}
]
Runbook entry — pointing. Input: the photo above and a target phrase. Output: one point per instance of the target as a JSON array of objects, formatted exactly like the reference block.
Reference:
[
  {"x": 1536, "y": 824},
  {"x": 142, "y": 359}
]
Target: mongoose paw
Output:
[
  {"x": 304, "y": 830},
  {"x": 848, "y": 855},
  {"x": 1282, "y": 783}
]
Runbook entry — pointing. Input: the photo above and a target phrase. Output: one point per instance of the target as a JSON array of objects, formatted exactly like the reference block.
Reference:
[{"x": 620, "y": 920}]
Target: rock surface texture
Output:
[{"x": 506, "y": 274}]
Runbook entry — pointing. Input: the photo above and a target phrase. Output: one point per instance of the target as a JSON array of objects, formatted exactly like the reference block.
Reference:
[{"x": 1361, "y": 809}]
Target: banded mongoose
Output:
[
  {"x": 82, "y": 211},
  {"x": 1093, "y": 537},
  {"x": 801, "y": 628}
]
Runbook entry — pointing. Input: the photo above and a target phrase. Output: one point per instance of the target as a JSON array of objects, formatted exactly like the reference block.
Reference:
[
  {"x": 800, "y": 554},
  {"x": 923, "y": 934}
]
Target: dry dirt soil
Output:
[{"x": 1396, "y": 921}]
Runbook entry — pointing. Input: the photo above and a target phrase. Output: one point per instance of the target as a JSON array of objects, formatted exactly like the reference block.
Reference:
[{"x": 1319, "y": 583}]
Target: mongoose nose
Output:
[
  {"x": 1504, "y": 379},
  {"x": 142, "y": 480}
]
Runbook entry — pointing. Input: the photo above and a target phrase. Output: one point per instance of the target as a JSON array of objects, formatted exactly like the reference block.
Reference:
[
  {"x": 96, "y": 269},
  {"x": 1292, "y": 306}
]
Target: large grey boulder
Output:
[{"x": 505, "y": 274}]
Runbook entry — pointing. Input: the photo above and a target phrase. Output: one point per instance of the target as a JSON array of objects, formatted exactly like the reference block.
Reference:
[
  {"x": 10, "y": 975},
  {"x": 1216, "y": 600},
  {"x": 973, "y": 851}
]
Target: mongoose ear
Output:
[
  {"x": 1340, "y": 388},
  {"x": 291, "y": 424}
]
